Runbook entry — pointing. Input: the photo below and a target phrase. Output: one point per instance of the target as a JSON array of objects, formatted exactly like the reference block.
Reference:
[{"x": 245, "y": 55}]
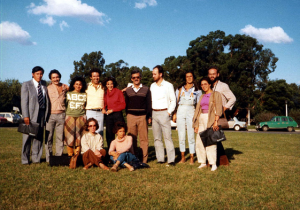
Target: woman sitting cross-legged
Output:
[
  {"x": 121, "y": 150},
  {"x": 92, "y": 146}
]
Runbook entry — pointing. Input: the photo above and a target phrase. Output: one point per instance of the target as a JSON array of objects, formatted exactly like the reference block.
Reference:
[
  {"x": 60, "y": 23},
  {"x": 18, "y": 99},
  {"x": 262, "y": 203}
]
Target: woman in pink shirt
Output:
[{"x": 121, "y": 151}]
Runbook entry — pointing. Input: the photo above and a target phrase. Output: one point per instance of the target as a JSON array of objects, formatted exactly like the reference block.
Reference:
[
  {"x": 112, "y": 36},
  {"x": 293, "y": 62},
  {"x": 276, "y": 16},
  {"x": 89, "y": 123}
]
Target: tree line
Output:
[{"x": 244, "y": 65}]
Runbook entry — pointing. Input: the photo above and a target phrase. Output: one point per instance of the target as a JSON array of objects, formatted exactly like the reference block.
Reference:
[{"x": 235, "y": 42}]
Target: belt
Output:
[
  {"x": 157, "y": 110},
  {"x": 97, "y": 110},
  {"x": 204, "y": 110}
]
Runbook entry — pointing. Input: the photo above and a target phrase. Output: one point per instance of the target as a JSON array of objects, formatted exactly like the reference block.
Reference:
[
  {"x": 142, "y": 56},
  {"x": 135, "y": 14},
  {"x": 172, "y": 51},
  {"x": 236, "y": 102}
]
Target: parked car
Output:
[
  {"x": 236, "y": 124},
  {"x": 3, "y": 120},
  {"x": 11, "y": 117},
  {"x": 278, "y": 122}
]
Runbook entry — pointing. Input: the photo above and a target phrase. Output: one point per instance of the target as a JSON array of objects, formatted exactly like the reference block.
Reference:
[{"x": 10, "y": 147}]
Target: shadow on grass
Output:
[{"x": 230, "y": 152}]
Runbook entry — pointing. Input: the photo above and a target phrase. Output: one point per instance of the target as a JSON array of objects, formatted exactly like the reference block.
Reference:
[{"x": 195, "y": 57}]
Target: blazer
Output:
[
  {"x": 216, "y": 99},
  {"x": 30, "y": 103}
]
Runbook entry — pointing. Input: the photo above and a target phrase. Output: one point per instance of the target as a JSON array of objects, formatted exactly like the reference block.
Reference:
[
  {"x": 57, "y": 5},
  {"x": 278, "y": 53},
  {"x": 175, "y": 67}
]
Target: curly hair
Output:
[
  {"x": 109, "y": 79},
  {"x": 75, "y": 79},
  {"x": 91, "y": 120},
  {"x": 205, "y": 79},
  {"x": 194, "y": 80},
  {"x": 118, "y": 125}
]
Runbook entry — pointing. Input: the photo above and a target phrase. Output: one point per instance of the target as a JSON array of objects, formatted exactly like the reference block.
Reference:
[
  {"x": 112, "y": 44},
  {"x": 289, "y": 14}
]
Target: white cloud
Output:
[
  {"x": 48, "y": 20},
  {"x": 274, "y": 34},
  {"x": 69, "y": 8},
  {"x": 63, "y": 24},
  {"x": 143, "y": 4},
  {"x": 13, "y": 32}
]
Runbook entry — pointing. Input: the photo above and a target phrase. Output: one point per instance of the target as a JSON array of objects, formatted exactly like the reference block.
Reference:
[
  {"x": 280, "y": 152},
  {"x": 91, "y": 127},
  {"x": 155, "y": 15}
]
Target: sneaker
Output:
[
  {"x": 170, "y": 164},
  {"x": 214, "y": 167},
  {"x": 202, "y": 166}
]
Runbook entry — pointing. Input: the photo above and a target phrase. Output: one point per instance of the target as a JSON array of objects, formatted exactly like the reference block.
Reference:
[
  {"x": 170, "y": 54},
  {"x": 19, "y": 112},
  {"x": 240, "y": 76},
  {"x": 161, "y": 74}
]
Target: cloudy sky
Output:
[{"x": 54, "y": 33}]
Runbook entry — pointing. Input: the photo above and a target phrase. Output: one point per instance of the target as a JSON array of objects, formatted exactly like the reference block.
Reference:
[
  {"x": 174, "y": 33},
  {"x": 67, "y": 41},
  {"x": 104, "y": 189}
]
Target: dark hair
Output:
[
  {"x": 54, "y": 71},
  {"x": 160, "y": 69},
  {"x": 194, "y": 77},
  {"x": 75, "y": 79},
  {"x": 205, "y": 79},
  {"x": 213, "y": 67},
  {"x": 91, "y": 120},
  {"x": 118, "y": 125},
  {"x": 109, "y": 79},
  {"x": 135, "y": 71},
  {"x": 94, "y": 70},
  {"x": 37, "y": 68}
]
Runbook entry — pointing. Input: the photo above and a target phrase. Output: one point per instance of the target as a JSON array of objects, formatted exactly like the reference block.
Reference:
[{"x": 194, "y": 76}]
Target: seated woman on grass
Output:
[
  {"x": 121, "y": 151},
  {"x": 92, "y": 146}
]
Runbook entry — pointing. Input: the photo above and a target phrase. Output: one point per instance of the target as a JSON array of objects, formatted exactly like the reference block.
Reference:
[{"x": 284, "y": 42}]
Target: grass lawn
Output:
[{"x": 264, "y": 173}]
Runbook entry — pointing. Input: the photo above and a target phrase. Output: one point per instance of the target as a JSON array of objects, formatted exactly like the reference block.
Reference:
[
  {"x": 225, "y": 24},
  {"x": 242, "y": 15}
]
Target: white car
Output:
[
  {"x": 11, "y": 117},
  {"x": 236, "y": 124}
]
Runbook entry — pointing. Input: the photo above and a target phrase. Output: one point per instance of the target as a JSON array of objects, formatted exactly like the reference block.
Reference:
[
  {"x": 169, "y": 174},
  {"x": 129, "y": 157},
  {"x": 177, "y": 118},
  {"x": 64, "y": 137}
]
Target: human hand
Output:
[
  {"x": 27, "y": 120},
  {"x": 215, "y": 126},
  {"x": 97, "y": 153},
  {"x": 149, "y": 121},
  {"x": 109, "y": 111},
  {"x": 196, "y": 130},
  {"x": 103, "y": 111}
]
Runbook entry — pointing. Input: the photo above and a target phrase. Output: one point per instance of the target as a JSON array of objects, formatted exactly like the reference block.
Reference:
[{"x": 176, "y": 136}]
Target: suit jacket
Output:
[
  {"x": 30, "y": 103},
  {"x": 215, "y": 98}
]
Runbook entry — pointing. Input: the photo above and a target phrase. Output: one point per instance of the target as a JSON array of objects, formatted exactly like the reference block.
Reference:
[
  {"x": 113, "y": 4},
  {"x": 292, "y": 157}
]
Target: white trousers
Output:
[{"x": 202, "y": 152}]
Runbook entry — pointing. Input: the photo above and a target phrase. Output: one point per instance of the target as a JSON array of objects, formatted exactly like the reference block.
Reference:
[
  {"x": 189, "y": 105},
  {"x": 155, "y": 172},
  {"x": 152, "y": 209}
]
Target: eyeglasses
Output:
[
  {"x": 92, "y": 126},
  {"x": 135, "y": 77}
]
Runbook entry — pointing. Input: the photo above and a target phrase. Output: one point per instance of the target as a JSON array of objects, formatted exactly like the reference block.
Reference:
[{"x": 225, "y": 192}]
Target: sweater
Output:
[
  {"x": 121, "y": 145},
  {"x": 75, "y": 104},
  {"x": 91, "y": 141},
  {"x": 114, "y": 100},
  {"x": 138, "y": 103}
]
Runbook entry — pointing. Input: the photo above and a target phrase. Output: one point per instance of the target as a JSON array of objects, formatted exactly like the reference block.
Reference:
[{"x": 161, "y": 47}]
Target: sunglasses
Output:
[
  {"x": 92, "y": 126},
  {"x": 135, "y": 77}
]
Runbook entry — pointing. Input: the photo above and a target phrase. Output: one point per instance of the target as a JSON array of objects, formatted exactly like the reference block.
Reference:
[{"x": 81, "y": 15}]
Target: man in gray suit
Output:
[{"x": 35, "y": 105}]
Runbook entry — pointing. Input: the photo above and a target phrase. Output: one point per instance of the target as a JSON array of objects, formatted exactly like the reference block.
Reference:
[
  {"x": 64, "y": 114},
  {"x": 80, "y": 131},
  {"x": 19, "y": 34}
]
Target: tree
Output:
[
  {"x": 10, "y": 95},
  {"x": 87, "y": 62},
  {"x": 120, "y": 71}
]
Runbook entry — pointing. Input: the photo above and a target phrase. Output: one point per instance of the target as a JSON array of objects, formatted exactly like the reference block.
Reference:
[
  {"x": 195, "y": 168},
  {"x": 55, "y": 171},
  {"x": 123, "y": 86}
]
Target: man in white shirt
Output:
[
  {"x": 163, "y": 104},
  {"x": 95, "y": 99}
]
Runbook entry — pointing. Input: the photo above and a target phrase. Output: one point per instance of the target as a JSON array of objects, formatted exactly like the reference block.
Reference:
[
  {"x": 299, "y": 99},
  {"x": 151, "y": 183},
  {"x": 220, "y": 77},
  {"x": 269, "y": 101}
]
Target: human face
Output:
[
  {"x": 136, "y": 79},
  {"x": 92, "y": 127},
  {"x": 95, "y": 78},
  {"x": 55, "y": 79},
  {"x": 109, "y": 85},
  {"x": 213, "y": 75},
  {"x": 77, "y": 86},
  {"x": 121, "y": 133},
  {"x": 205, "y": 86},
  {"x": 37, "y": 76},
  {"x": 189, "y": 78},
  {"x": 156, "y": 75}
]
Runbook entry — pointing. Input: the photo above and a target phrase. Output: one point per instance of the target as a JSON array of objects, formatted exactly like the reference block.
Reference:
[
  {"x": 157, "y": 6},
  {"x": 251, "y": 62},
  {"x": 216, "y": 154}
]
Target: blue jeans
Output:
[
  {"x": 185, "y": 115},
  {"x": 125, "y": 157},
  {"x": 98, "y": 115}
]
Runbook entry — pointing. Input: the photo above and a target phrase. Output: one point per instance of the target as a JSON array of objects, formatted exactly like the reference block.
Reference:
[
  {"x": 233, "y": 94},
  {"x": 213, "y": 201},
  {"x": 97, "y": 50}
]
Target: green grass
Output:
[{"x": 263, "y": 174}]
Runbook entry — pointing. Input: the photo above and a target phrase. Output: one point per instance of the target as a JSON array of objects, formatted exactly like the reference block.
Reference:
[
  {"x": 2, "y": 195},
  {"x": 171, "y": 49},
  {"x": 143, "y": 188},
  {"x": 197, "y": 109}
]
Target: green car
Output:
[{"x": 278, "y": 122}]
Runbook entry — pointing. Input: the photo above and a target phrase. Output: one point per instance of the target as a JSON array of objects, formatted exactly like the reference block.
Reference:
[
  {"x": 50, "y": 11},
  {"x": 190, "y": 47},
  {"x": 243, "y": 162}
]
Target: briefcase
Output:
[{"x": 32, "y": 129}]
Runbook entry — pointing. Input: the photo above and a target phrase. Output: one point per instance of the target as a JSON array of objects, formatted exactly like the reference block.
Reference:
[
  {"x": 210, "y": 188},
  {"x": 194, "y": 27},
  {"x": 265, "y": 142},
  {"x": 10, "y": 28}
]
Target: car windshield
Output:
[{"x": 273, "y": 119}]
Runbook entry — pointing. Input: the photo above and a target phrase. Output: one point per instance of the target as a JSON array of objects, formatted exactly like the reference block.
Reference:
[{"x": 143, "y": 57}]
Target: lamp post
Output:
[{"x": 286, "y": 108}]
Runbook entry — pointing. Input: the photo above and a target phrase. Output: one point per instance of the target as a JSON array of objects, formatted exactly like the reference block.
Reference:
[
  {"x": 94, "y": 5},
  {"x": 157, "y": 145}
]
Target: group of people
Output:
[{"x": 77, "y": 114}]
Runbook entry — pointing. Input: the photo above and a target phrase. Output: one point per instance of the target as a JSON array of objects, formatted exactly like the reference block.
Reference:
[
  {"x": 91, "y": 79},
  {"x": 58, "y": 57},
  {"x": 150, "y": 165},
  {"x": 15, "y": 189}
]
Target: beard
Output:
[{"x": 214, "y": 80}]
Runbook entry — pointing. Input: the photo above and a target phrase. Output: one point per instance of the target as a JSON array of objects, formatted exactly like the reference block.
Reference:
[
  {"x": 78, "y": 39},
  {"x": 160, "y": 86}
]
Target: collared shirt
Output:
[
  {"x": 228, "y": 98},
  {"x": 95, "y": 97},
  {"x": 136, "y": 89},
  {"x": 188, "y": 95},
  {"x": 57, "y": 99},
  {"x": 35, "y": 83},
  {"x": 163, "y": 96}
]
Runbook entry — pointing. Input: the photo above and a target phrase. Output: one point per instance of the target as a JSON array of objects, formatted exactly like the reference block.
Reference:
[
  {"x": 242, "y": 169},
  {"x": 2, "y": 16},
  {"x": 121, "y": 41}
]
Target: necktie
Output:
[{"x": 40, "y": 96}]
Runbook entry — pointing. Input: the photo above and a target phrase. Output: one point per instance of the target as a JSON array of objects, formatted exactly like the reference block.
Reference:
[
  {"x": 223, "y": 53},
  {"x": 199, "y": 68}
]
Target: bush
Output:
[
  {"x": 295, "y": 114},
  {"x": 264, "y": 116}
]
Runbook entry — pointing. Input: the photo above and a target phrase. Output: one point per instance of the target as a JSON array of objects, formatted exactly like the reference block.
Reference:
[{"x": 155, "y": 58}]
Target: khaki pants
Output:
[
  {"x": 202, "y": 152},
  {"x": 137, "y": 125}
]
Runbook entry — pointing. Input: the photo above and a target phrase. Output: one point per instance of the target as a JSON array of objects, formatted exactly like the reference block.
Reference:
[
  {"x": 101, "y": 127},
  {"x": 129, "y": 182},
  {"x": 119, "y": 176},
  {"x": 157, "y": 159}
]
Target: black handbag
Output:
[
  {"x": 210, "y": 137},
  {"x": 32, "y": 129}
]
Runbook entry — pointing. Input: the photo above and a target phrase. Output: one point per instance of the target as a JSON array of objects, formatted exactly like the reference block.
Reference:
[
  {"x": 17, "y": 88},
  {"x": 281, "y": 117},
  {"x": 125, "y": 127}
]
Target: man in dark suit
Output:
[{"x": 35, "y": 107}]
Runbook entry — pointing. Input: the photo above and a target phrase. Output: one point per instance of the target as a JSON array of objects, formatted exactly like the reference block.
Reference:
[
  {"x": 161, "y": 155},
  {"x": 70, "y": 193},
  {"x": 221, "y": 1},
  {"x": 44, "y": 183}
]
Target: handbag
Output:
[
  {"x": 210, "y": 137},
  {"x": 74, "y": 160},
  {"x": 32, "y": 129}
]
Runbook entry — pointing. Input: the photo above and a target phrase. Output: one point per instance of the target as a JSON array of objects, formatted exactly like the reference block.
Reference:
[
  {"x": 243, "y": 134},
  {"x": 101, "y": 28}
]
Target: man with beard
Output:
[
  {"x": 163, "y": 104},
  {"x": 57, "y": 95},
  {"x": 228, "y": 98},
  {"x": 139, "y": 111},
  {"x": 95, "y": 99},
  {"x": 228, "y": 101}
]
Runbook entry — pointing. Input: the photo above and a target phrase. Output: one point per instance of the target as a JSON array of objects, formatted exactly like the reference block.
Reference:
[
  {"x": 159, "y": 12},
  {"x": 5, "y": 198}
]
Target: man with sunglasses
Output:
[{"x": 138, "y": 110}]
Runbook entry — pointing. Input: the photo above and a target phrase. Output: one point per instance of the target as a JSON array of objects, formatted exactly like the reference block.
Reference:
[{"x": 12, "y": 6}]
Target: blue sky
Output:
[{"x": 53, "y": 34}]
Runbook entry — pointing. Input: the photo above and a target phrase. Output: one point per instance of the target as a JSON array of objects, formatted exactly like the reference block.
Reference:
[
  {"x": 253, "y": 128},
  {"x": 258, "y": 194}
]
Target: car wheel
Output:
[
  {"x": 290, "y": 129},
  {"x": 237, "y": 128},
  {"x": 265, "y": 128}
]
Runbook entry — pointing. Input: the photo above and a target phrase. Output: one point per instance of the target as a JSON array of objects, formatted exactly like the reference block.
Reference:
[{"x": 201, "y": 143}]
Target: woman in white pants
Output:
[{"x": 207, "y": 114}]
